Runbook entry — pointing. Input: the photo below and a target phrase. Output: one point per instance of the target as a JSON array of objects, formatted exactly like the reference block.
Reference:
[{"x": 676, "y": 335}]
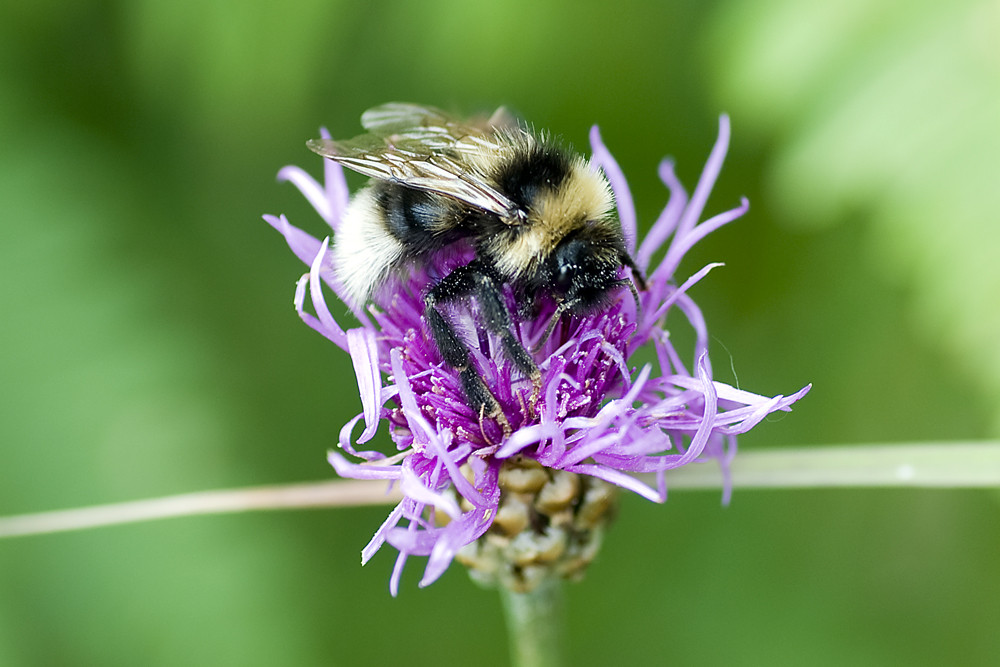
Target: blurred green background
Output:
[{"x": 149, "y": 345}]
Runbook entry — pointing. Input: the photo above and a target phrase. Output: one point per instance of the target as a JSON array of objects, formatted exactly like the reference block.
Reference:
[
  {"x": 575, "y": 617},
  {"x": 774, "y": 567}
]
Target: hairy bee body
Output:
[
  {"x": 390, "y": 225},
  {"x": 538, "y": 218}
]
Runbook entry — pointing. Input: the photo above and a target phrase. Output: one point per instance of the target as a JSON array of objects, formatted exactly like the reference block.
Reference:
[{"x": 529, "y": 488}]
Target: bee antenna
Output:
[
  {"x": 560, "y": 309},
  {"x": 635, "y": 285},
  {"x": 625, "y": 282},
  {"x": 640, "y": 280}
]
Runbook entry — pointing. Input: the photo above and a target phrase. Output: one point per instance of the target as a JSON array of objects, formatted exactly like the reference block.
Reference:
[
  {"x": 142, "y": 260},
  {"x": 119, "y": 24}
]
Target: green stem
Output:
[
  {"x": 535, "y": 625},
  {"x": 926, "y": 465}
]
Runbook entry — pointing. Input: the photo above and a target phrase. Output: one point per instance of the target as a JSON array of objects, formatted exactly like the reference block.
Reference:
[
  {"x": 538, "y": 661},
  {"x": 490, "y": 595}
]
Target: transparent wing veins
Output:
[{"x": 421, "y": 147}]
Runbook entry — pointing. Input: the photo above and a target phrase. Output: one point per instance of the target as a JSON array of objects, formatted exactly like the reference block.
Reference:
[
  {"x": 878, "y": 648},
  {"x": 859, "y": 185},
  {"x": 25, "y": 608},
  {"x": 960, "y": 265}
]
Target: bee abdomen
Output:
[
  {"x": 365, "y": 251},
  {"x": 421, "y": 221}
]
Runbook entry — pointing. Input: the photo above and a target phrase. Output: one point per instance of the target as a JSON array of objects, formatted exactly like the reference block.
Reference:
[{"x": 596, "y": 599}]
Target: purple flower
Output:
[{"x": 597, "y": 420}]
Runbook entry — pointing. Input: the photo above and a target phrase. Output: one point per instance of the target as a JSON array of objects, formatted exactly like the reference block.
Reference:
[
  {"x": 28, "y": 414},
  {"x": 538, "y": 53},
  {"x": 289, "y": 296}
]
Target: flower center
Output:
[{"x": 550, "y": 523}]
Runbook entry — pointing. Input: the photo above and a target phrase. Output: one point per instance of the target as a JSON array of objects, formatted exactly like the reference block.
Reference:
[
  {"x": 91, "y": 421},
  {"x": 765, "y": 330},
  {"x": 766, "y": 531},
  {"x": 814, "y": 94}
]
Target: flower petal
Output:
[
  {"x": 314, "y": 193},
  {"x": 417, "y": 490},
  {"x": 669, "y": 218},
  {"x": 619, "y": 185},
  {"x": 319, "y": 303},
  {"x": 707, "y": 180},
  {"x": 364, "y": 355},
  {"x": 305, "y": 246}
]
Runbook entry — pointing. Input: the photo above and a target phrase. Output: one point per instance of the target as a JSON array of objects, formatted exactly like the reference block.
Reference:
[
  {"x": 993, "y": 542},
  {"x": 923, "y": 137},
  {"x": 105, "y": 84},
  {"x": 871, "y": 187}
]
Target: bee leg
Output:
[
  {"x": 498, "y": 320},
  {"x": 460, "y": 283}
]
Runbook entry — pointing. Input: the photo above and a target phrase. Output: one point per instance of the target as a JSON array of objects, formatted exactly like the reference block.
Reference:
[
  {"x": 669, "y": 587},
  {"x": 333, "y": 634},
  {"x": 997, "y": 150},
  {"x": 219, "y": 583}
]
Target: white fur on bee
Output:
[{"x": 364, "y": 253}]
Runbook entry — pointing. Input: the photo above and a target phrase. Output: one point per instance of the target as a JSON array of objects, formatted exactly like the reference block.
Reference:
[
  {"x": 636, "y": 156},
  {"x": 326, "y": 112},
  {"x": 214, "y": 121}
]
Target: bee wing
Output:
[
  {"x": 421, "y": 147},
  {"x": 395, "y": 117},
  {"x": 400, "y": 117},
  {"x": 416, "y": 167}
]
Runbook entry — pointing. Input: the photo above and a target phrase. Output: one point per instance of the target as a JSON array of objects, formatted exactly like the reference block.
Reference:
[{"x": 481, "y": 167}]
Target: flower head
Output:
[{"x": 540, "y": 487}]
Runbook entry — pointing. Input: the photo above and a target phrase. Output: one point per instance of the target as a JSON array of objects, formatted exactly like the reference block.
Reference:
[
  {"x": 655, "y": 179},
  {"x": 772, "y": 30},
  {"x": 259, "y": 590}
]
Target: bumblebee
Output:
[{"x": 538, "y": 218}]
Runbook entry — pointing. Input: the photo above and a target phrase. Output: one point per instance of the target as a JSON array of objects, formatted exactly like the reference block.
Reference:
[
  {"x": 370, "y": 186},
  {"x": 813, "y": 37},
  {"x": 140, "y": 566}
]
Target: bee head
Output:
[{"x": 583, "y": 270}]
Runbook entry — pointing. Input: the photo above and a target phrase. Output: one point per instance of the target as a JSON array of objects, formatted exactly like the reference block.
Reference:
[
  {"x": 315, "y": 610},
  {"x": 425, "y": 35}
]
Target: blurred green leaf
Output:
[
  {"x": 148, "y": 344},
  {"x": 887, "y": 111}
]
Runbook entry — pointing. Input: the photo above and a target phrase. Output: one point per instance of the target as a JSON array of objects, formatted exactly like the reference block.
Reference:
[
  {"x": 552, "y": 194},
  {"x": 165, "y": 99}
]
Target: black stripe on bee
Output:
[
  {"x": 540, "y": 167},
  {"x": 422, "y": 221}
]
